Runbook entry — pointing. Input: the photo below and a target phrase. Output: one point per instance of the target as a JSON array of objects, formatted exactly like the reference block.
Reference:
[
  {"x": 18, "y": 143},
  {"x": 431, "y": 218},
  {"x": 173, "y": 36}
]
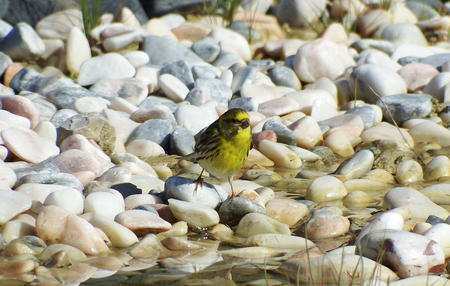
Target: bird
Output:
[{"x": 223, "y": 146}]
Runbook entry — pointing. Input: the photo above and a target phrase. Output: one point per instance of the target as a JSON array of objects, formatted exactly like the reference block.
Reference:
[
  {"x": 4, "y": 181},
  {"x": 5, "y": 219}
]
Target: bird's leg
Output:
[
  {"x": 199, "y": 180},
  {"x": 231, "y": 185}
]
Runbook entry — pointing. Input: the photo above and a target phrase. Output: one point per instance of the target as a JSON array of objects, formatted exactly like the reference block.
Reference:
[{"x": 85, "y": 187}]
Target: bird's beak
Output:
[{"x": 245, "y": 123}]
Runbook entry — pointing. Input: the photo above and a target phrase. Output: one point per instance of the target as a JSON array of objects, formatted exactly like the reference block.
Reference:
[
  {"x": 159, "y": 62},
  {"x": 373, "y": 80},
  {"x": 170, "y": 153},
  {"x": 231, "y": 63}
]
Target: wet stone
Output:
[
  {"x": 284, "y": 134},
  {"x": 233, "y": 209},
  {"x": 403, "y": 107}
]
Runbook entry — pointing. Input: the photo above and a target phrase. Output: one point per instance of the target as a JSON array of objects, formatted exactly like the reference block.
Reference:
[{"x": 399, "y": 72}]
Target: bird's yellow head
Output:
[{"x": 233, "y": 122}]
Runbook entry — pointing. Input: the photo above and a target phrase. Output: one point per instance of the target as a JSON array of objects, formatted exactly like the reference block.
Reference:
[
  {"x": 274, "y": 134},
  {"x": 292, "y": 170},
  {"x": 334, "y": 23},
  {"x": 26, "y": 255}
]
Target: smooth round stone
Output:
[
  {"x": 284, "y": 134},
  {"x": 321, "y": 58},
  {"x": 194, "y": 118},
  {"x": 386, "y": 131},
  {"x": 155, "y": 112},
  {"x": 119, "y": 235},
  {"x": 255, "y": 223},
  {"x": 437, "y": 86},
  {"x": 56, "y": 225},
  {"x": 377, "y": 57},
  {"x": 206, "y": 72},
  {"x": 233, "y": 209},
  {"x": 340, "y": 143},
  {"x": 17, "y": 267},
  {"x": 439, "y": 233},
  {"x": 358, "y": 165},
  {"x": 46, "y": 130},
  {"x": 281, "y": 155},
  {"x": 326, "y": 188},
  {"x": 371, "y": 21},
  {"x": 118, "y": 42},
  {"x": 233, "y": 42},
  {"x": 60, "y": 116},
  {"x": 417, "y": 75},
  {"x": 77, "y": 50},
  {"x": 309, "y": 269},
  {"x": 207, "y": 89},
  {"x": 409, "y": 172},
  {"x": 284, "y": 76},
  {"x": 371, "y": 81},
  {"x": 403, "y": 33},
  {"x": 421, "y": 227},
  {"x": 179, "y": 69},
  {"x": 156, "y": 130},
  {"x": 131, "y": 89},
  {"x": 108, "y": 66},
  {"x": 409, "y": 253},
  {"x": 133, "y": 201},
  {"x": 207, "y": 48},
  {"x": 27, "y": 145},
  {"x": 276, "y": 240},
  {"x": 177, "y": 244},
  {"x": 141, "y": 221},
  {"x": 432, "y": 219},
  {"x": 246, "y": 103},
  {"x": 419, "y": 206},
  {"x": 286, "y": 211},
  {"x": 429, "y": 131},
  {"x": 12, "y": 204},
  {"x": 182, "y": 142},
  {"x": 357, "y": 199},
  {"x": 300, "y": 14},
  {"x": 26, "y": 244},
  {"x": 307, "y": 132},
  {"x": 7, "y": 177},
  {"x": 136, "y": 58},
  {"x": 225, "y": 60},
  {"x": 70, "y": 200},
  {"x": 54, "y": 25},
  {"x": 383, "y": 221},
  {"x": 21, "y": 106},
  {"x": 105, "y": 204},
  {"x": 162, "y": 50},
  {"x": 438, "y": 167},
  {"x": 438, "y": 193},
  {"x": 402, "y": 107},
  {"x": 90, "y": 104},
  {"x": 351, "y": 124},
  {"x": 197, "y": 215},
  {"x": 14, "y": 120},
  {"x": 370, "y": 114},
  {"x": 148, "y": 247},
  {"x": 277, "y": 106},
  {"x": 144, "y": 148},
  {"x": 22, "y": 43},
  {"x": 326, "y": 224},
  {"x": 183, "y": 189}
]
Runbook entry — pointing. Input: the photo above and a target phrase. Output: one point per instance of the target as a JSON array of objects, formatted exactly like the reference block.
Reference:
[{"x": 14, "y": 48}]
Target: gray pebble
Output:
[
  {"x": 147, "y": 208},
  {"x": 246, "y": 103},
  {"x": 367, "y": 114},
  {"x": 242, "y": 75},
  {"x": 284, "y": 134},
  {"x": 66, "y": 96},
  {"x": 284, "y": 76},
  {"x": 232, "y": 210},
  {"x": 422, "y": 10},
  {"x": 403, "y": 107},
  {"x": 179, "y": 69},
  {"x": 204, "y": 72},
  {"x": 209, "y": 89},
  {"x": 261, "y": 64},
  {"x": 382, "y": 45},
  {"x": 163, "y": 50},
  {"x": 207, "y": 48},
  {"x": 64, "y": 179},
  {"x": 61, "y": 116},
  {"x": 5, "y": 61},
  {"x": 247, "y": 31},
  {"x": 22, "y": 43},
  {"x": 156, "y": 130},
  {"x": 432, "y": 219},
  {"x": 226, "y": 59},
  {"x": 152, "y": 100},
  {"x": 182, "y": 142},
  {"x": 436, "y": 60}
]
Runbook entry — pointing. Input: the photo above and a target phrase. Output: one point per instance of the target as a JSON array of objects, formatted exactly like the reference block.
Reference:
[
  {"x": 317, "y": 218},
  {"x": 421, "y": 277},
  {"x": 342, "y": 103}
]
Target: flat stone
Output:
[
  {"x": 13, "y": 203},
  {"x": 403, "y": 107},
  {"x": 197, "y": 215},
  {"x": 286, "y": 211},
  {"x": 255, "y": 223},
  {"x": 141, "y": 221}
]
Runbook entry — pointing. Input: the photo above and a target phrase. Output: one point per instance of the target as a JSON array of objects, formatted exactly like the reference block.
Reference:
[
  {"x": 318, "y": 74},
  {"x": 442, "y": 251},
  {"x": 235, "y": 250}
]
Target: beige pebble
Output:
[
  {"x": 307, "y": 132},
  {"x": 409, "y": 171},
  {"x": 326, "y": 224},
  {"x": 144, "y": 148},
  {"x": 256, "y": 223},
  {"x": 438, "y": 167},
  {"x": 281, "y": 155},
  {"x": 326, "y": 188},
  {"x": 119, "y": 235},
  {"x": 141, "y": 221},
  {"x": 286, "y": 211},
  {"x": 357, "y": 199},
  {"x": 340, "y": 144}
]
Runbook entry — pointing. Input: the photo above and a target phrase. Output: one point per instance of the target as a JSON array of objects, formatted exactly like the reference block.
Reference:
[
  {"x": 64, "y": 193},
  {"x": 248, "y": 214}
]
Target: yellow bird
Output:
[{"x": 223, "y": 147}]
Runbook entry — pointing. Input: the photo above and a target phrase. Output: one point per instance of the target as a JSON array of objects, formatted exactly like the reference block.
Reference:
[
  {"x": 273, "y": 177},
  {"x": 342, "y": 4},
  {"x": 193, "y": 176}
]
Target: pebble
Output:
[
  {"x": 326, "y": 224},
  {"x": 209, "y": 89},
  {"x": 281, "y": 155},
  {"x": 408, "y": 172},
  {"x": 284, "y": 134},
  {"x": 107, "y": 66},
  {"x": 403, "y": 33},
  {"x": 207, "y": 48},
  {"x": 22, "y": 43},
  {"x": 54, "y": 25},
  {"x": 276, "y": 240},
  {"x": 179, "y": 69},
  {"x": 383, "y": 221},
  {"x": 188, "y": 116},
  {"x": 277, "y": 106},
  {"x": 321, "y": 58},
  {"x": 136, "y": 58},
  {"x": 7, "y": 177},
  {"x": 233, "y": 42},
  {"x": 299, "y": 14},
  {"x": 307, "y": 132},
  {"x": 437, "y": 233},
  {"x": 163, "y": 50},
  {"x": 437, "y": 193},
  {"x": 402, "y": 107},
  {"x": 234, "y": 209},
  {"x": 21, "y": 106},
  {"x": 386, "y": 131},
  {"x": 196, "y": 215},
  {"x": 340, "y": 143},
  {"x": 370, "y": 114},
  {"x": 358, "y": 165},
  {"x": 156, "y": 130},
  {"x": 429, "y": 131},
  {"x": 372, "y": 81},
  {"x": 436, "y": 86},
  {"x": 286, "y": 211},
  {"x": 414, "y": 201},
  {"x": 256, "y": 223},
  {"x": 358, "y": 199},
  {"x": 184, "y": 189},
  {"x": 131, "y": 89},
  {"x": 417, "y": 75},
  {"x": 54, "y": 224},
  {"x": 144, "y": 148},
  {"x": 246, "y": 103},
  {"x": 133, "y": 201},
  {"x": 13, "y": 203},
  {"x": 409, "y": 253},
  {"x": 326, "y": 188},
  {"x": 438, "y": 167},
  {"x": 68, "y": 199},
  {"x": 181, "y": 142},
  {"x": 140, "y": 221},
  {"x": 284, "y": 76},
  {"x": 77, "y": 50},
  {"x": 105, "y": 204},
  {"x": 119, "y": 235}
]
